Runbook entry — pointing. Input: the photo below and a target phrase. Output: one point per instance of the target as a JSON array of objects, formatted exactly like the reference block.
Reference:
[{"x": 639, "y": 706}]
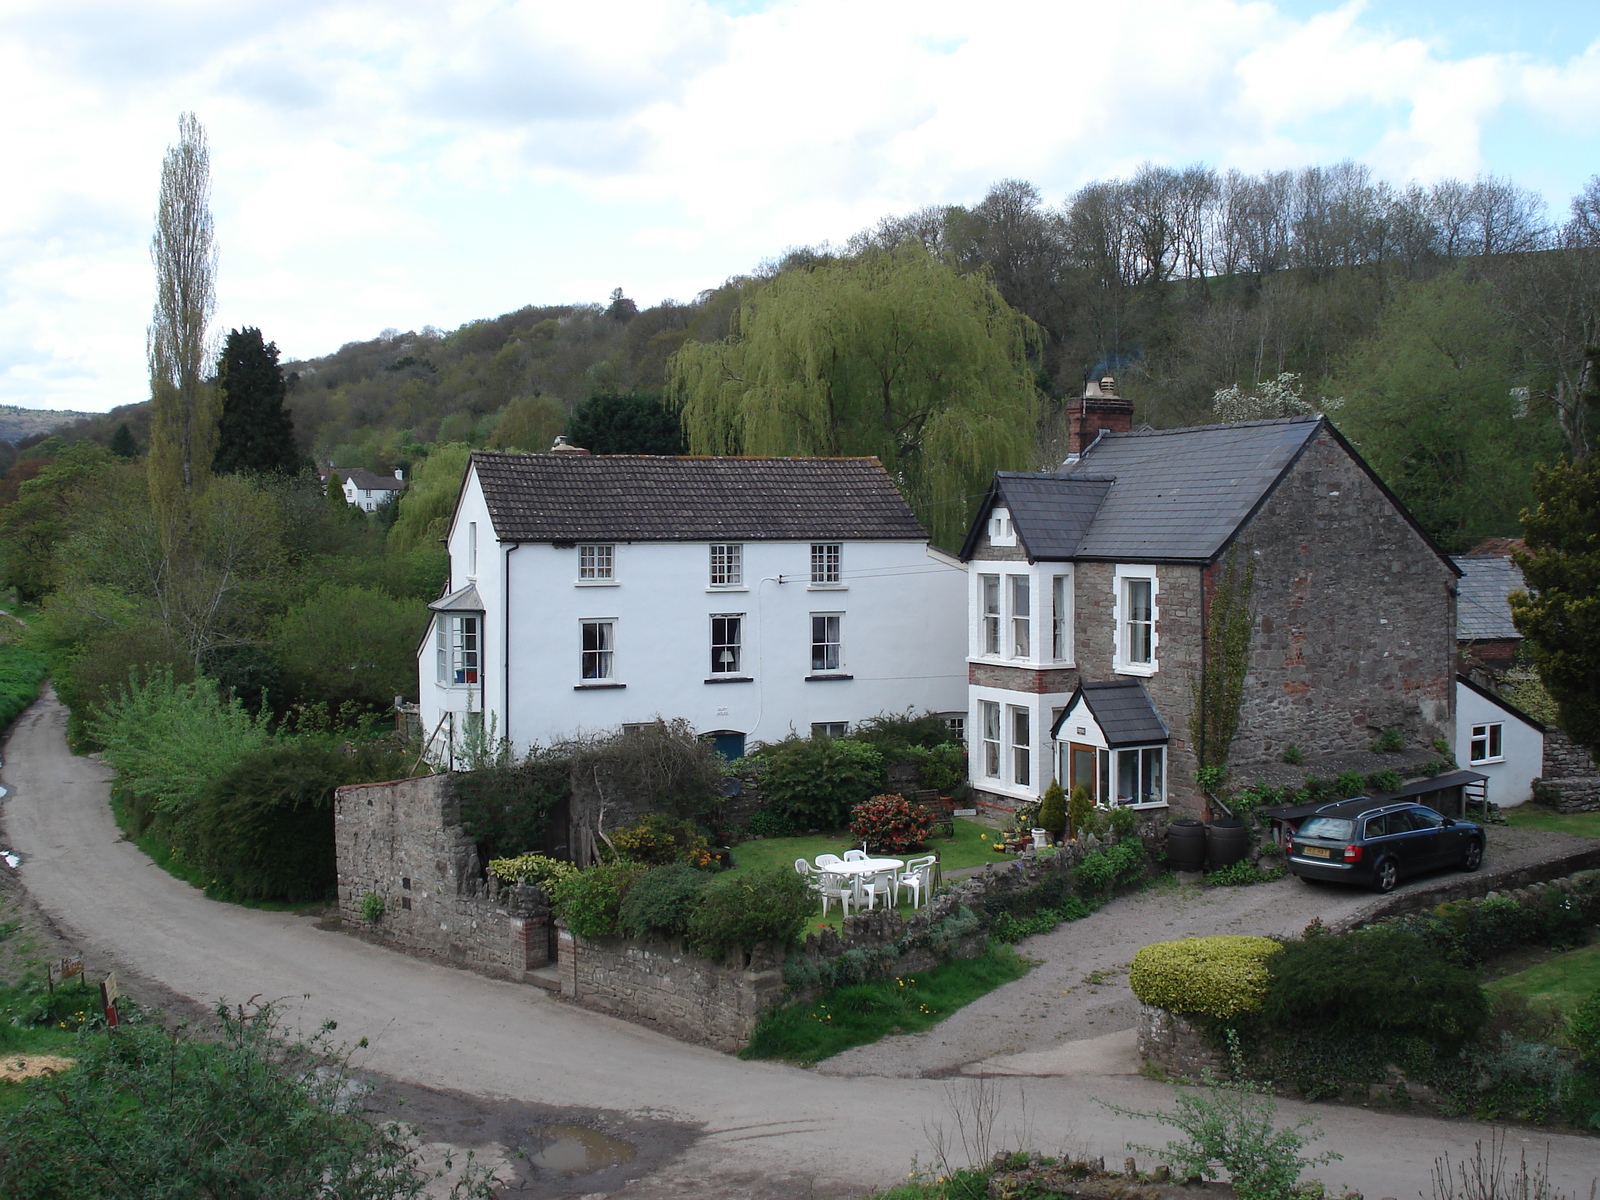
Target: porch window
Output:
[
  {"x": 457, "y": 649},
  {"x": 727, "y": 636},
  {"x": 1141, "y": 775},
  {"x": 1486, "y": 743},
  {"x": 989, "y": 714}
]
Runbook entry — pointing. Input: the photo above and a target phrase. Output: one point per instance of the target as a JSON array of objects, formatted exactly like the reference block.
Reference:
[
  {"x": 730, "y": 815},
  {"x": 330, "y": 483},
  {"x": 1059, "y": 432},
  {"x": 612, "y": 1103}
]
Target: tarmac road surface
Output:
[{"x": 757, "y": 1129}]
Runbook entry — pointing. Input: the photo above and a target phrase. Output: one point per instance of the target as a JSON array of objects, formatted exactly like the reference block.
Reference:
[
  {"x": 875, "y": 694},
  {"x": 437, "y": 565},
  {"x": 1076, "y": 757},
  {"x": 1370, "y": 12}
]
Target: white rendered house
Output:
[
  {"x": 755, "y": 597},
  {"x": 1499, "y": 740}
]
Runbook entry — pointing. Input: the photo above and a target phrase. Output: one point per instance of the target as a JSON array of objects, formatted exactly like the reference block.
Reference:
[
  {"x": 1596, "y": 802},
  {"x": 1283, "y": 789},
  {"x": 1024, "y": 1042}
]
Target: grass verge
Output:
[
  {"x": 1536, "y": 816},
  {"x": 864, "y": 1012},
  {"x": 1564, "y": 980},
  {"x": 22, "y": 673},
  {"x": 162, "y": 855}
]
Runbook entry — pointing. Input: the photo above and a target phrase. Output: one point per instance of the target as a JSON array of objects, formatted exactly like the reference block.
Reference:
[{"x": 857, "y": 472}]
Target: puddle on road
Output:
[{"x": 576, "y": 1150}]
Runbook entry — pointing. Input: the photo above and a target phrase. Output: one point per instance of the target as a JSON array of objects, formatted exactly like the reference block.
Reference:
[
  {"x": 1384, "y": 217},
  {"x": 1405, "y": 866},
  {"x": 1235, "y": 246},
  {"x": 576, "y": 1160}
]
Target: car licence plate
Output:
[{"x": 1316, "y": 852}]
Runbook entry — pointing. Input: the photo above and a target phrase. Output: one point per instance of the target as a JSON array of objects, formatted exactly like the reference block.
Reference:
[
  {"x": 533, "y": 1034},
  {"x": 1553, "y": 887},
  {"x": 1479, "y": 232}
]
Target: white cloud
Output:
[{"x": 424, "y": 161}]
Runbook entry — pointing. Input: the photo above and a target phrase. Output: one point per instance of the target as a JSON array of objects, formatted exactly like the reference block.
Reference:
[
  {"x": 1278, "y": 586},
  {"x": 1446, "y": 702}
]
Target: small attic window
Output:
[{"x": 1001, "y": 531}]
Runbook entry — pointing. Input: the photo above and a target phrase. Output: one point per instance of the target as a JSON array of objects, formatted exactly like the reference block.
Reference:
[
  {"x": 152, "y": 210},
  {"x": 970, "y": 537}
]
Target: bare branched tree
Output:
[{"x": 183, "y": 405}]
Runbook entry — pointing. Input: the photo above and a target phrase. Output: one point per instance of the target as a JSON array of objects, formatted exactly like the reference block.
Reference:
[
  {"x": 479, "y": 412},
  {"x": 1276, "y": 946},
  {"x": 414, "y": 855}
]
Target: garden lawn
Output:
[
  {"x": 967, "y": 849},
  {"x": 1566, "y": 980},
  {"x": 864, "y": 1012},
  {"x": 1537, "y": 816}
]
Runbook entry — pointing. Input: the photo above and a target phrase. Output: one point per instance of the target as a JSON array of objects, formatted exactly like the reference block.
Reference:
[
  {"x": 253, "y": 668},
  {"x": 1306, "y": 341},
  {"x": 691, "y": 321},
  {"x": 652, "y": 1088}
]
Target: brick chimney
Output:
[{"x": 1098, "y": 408}]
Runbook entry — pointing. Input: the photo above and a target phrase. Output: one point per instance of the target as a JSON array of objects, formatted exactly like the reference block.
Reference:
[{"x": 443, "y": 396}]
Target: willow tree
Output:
[
  {"x": 889, "y": 353},
  {"x": 183, "y": 404}
]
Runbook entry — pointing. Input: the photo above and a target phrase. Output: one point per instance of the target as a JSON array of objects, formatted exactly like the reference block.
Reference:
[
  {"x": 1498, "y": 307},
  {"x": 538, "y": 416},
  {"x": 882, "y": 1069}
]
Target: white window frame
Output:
[
  {"x": 1122, "y": 663},
  {"x": 602, "y": 657},
  {"x": 736, "y": 645},
  {"x": 1061, "y": 630},
  {"x": 1019, "y": 719},
  {"x": 1145, "y": 756},
  {"x": 458, "y": 647},
  {"x": 1002, "y": 531},
  {"x": 830, "y": 729},
  {"x": 956, "y": 723},
  {"x": 597, "y": 562},
  {"x": 989, "y": 601},
  {"x": 989, "y": 726},
  {"x": 727, "y": 565},
  {"x": 1492, "y": 735},
  {"x": 1019, "y": 610},
  {"x": 472, "y": 550},
  {"x": 831, "y": 622},
  {"x": 827, "y": 561}
]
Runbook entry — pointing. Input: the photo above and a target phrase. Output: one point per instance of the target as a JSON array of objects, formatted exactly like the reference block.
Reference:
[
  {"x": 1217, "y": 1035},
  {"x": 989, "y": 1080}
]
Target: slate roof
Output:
[
  {"x": 1122, "y": 709},
  {"x": 1482, "y": 612},
  {"x": 370, "y": 481},
  {"x": 461, "y": 600},
  {"x": 1154, "y": 495},
  {"x": 652, "y": 498}
]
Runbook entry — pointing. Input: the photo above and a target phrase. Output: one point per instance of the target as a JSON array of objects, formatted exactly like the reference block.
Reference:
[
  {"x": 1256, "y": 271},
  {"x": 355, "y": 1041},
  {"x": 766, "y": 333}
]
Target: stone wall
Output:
[
  {"x": 402, "y": 842},
  {"x": 1172, "y": 1042},
  {"x": 1569, "y": 781},
  {"x": 664, "y": 986},
  {"x": 1355, "y": 629}
]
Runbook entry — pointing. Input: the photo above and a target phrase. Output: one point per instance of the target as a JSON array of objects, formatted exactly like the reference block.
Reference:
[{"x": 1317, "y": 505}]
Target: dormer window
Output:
[{"x": 1001, "y": 531}]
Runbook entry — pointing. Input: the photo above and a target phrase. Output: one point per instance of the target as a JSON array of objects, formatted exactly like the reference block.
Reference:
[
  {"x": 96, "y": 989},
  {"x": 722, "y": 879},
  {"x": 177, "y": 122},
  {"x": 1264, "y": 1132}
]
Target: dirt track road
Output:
[{"x": 763, "y": 1130}]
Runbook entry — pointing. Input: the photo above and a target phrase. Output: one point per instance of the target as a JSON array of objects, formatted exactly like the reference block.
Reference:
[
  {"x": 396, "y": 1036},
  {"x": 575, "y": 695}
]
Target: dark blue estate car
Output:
[{"x": 1377, "y": 843}]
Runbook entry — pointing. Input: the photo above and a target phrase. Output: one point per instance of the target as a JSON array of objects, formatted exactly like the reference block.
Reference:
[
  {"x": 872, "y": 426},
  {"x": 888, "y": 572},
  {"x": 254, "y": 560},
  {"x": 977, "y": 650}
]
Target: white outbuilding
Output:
[{"x": 1499, "y": 740}]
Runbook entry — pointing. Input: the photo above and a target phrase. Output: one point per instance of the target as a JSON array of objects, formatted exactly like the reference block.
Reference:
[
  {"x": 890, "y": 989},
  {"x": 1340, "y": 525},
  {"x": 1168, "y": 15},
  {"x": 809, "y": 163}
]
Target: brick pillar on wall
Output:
[{"x": 530, "y": 938}]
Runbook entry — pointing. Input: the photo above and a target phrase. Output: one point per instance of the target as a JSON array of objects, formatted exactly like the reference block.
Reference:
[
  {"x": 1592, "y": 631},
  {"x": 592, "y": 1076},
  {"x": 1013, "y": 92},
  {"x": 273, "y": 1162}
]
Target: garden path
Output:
[{"x": 755, "y": 1131}]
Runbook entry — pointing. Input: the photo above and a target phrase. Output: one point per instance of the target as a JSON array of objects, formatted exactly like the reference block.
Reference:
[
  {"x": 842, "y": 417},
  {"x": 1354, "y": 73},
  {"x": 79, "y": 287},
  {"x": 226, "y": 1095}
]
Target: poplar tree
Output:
[
  {"x": 183, "y": 406},
  {"x": 888, "y": 353},
  {"x": 256, "y": 432}
]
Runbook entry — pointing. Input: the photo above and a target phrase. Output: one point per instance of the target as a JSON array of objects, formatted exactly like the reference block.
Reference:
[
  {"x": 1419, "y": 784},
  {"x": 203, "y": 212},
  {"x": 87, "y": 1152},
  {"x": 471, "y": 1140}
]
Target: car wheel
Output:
[
  {"x": 1473, "y": 858},
  {"x": 1385, "y": 875}
]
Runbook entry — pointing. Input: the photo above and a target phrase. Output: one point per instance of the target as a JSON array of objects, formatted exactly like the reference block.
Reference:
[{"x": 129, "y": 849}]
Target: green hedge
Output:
[{"x": 1218, "y": 977}]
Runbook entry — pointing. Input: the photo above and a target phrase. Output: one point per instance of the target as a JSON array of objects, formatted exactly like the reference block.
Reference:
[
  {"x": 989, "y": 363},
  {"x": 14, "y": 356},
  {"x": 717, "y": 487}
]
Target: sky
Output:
[{"x": 393, "y": 165}]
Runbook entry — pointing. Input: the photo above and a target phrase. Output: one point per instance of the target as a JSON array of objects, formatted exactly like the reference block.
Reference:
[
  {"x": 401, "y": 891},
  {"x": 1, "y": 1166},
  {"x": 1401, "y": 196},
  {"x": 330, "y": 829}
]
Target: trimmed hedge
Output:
[{"x": 1216, "y": 976}]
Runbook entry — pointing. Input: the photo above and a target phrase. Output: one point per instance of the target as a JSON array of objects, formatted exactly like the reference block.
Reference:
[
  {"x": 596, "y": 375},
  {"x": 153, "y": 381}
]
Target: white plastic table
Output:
[{"x": 864, "y": 866}]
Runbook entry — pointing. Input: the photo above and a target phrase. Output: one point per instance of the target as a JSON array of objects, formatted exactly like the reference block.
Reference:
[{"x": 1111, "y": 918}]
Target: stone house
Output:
[
  {"x": 1090, "y": 588},
  {"x": 753, "y": 597}
]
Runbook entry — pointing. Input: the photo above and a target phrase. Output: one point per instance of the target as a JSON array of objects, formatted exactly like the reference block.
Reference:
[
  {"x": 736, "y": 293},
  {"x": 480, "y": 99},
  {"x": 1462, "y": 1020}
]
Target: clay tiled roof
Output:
[{"x": 651, "y": 498}]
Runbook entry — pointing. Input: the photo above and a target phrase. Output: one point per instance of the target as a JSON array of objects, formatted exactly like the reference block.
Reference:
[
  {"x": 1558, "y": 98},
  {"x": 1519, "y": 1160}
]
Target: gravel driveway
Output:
[{"x": 1079, "y": 991}]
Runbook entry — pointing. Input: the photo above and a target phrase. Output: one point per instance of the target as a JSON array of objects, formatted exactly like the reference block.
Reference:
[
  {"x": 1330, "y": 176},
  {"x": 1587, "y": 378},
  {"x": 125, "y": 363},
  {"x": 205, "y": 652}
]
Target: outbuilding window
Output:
[{"x": 1486, "y": 743}]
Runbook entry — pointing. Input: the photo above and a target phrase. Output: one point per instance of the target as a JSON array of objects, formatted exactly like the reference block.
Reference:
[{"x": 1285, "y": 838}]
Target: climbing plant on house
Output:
[{"x": 1225, "y": 660}]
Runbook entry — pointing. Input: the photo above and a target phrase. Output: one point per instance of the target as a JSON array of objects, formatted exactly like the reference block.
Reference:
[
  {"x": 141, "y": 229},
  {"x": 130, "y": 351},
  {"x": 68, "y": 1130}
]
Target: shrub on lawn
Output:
[
  {"x": 662, "y": 900},
  {"x": 1053, "y": 810},
  {"x": 591, "y": 901},
  {"x": 741, "y": 909},
  {"x": 817, "y": 781},
  {"x": 263, "y": 829},
  {"x": 1220, "y": 977},
  {"x": 890, "y": 824},
  {"x": 1080, "y": 808},
  {"x": 1375, "y": 983}
]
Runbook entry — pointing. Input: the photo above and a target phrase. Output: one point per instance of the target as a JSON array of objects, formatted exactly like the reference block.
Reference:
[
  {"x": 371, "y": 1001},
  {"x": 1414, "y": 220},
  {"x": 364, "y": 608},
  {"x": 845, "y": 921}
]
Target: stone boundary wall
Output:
[
  {"x": 1569, "y": 780},
  {"x": 1175, "y": 1044},
  {"x": 664, "y": 986},
  {"x": 402, "y": 842}
]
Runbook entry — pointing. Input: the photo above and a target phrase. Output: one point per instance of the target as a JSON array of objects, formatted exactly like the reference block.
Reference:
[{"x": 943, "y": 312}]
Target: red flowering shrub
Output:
[{"x": 890, "y": 824}]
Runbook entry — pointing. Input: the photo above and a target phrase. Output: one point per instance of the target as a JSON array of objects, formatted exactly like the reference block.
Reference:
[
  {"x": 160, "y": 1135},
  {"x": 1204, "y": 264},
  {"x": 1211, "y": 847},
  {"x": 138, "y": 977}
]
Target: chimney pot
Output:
[{"x": 562, "y": 446}]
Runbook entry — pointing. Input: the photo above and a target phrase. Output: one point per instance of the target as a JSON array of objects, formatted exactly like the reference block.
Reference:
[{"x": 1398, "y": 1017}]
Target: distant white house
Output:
[
  {"x": 754, "y": 597},
  {"x": 1500, "y": 740},
  {"x": 367, "y": 490}
]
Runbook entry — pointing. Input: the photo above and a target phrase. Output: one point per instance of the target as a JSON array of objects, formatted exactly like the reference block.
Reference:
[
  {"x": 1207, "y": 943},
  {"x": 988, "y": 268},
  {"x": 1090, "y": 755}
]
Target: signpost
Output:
[
  {"x": 63, "y": 969},
  {"x": 108, "y": 996}
]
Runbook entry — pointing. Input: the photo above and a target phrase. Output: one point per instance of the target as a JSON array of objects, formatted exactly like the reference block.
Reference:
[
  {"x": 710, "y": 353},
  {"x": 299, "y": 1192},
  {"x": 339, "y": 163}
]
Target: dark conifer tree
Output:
[
  {"x": 625, "y": 424},
  {"x": 256, "y": 435},
  {"x": 122, "y": 443}
]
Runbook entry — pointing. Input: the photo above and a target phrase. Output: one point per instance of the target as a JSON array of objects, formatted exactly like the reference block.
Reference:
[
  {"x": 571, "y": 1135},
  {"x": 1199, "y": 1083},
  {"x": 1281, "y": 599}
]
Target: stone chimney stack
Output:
[
  {"x": 1099, "y": 408},
  {"x": 563, "y": 446}
]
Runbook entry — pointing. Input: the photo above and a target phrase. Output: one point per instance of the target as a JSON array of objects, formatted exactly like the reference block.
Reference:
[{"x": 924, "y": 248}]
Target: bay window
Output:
[
  {"x": 1141, "y": 775},
  {"x": 1021, "y": 746},
  {"x": 989, "y": 586},
  {"x": 1021, "y": 616},
  {"x": 989, "y": 717},
  {"x": 1061, "y": 617},
  {"x": 457, "y": 648}
]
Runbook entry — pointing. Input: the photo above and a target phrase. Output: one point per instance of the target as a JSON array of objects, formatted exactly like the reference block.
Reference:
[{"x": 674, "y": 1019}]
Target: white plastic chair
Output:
[
  {"x": 802, "y": 868},
  {"x": 878, "y": 885},
  {"x": 855, "y": 856},
  {"x": 918, "y": 876},
  {"x": 842, "y": 888},
  {"x": 827, "y": 860}
]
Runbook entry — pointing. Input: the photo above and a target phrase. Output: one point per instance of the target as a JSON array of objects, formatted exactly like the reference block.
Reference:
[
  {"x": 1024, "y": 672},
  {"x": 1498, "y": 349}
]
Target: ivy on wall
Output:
[{"x": 1226, "y": 661}]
